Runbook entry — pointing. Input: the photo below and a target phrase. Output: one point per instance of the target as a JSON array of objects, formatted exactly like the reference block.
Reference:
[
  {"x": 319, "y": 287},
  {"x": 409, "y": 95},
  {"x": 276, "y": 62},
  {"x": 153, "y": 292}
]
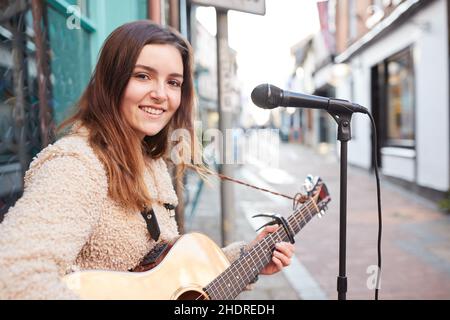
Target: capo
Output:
[{"x": 280, "y": 220}]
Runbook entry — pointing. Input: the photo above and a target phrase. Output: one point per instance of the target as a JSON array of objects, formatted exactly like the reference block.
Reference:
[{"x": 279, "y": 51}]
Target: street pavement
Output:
[{"x": 415, "y": 238}]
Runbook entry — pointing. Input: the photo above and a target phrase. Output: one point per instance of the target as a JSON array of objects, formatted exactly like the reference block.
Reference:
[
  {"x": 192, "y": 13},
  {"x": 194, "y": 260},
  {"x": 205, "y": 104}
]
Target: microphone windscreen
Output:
[{"x": 267, "y": 96}]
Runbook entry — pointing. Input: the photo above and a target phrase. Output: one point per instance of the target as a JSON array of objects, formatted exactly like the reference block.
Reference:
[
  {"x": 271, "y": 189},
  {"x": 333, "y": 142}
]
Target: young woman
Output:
[{"x": 83, "y": 198}]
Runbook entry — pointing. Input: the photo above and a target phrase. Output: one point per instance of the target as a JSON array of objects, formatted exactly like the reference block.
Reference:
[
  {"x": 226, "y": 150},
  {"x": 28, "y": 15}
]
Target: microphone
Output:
[{"x": 268, "y": 96}]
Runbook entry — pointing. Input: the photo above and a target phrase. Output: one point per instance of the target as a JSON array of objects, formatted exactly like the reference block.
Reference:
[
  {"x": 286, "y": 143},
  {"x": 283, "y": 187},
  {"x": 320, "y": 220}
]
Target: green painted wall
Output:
[
  {"x": 110, "y": 14},
  {"x": 75, "y": 51},
  {"x": 70, "y": 60}
]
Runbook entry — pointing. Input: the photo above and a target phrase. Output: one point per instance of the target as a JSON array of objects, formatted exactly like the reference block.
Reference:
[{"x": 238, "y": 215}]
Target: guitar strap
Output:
[
  {"x": 152, "y": 223},
  {"x": 160, "y": 248}
]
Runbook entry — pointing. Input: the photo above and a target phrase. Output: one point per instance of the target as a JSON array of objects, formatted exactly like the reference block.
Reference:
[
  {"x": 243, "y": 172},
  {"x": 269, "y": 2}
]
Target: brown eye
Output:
[
  {"x": 175, "y": 83},
  {"x": 142, "y": 76}
]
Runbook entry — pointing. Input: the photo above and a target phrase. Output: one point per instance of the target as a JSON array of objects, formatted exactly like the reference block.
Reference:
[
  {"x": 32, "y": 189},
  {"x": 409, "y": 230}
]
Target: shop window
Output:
[
  {"x": 393, "y": 100},
  {"x": 400, "y": 100}
]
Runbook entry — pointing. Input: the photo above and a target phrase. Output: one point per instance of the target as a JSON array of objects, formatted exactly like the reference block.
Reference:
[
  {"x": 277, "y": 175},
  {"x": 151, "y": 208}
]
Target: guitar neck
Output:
[{"x": 242, "y": 271}]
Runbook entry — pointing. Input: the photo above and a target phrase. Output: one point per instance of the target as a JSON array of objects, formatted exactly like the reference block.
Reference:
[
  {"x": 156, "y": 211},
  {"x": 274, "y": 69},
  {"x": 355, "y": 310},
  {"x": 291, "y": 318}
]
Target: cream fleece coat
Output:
[{"x": 65, "y": 221}]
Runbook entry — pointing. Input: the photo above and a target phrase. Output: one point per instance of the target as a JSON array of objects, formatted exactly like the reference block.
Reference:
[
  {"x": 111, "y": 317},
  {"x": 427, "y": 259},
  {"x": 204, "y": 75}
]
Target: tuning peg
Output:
[{"x": 321, "y": 213}]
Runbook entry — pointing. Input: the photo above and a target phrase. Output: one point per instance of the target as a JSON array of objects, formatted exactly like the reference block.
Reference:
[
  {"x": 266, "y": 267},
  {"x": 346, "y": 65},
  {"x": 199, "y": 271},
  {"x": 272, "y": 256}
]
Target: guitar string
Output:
[
  {"x": 266, "y": 259},
  {"x": 292, "y": 217},
  {"x": 306, "y": 209},
  {"x": 217, "y": 283},
  {"x": 297, "y": 199}
]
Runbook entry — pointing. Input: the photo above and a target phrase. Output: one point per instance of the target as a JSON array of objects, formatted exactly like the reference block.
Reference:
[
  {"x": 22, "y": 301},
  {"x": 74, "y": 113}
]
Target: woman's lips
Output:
[{"x": 152, "y": 112}]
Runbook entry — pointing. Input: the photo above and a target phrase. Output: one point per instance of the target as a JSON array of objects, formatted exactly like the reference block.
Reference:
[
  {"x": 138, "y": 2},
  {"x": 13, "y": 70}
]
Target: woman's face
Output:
[{"x": 153, "y": 93}]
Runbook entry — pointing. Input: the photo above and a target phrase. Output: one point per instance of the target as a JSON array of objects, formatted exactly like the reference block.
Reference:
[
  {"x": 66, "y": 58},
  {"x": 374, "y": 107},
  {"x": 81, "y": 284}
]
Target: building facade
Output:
[
  {"x": 314, "y": 73},
  {"x": 398, "y": 56},
  {"x": 391, "y": 56}
]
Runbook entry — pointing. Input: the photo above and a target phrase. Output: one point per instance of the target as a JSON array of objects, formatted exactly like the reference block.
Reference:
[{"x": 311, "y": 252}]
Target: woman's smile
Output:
[{"x": 152, "y": 112}]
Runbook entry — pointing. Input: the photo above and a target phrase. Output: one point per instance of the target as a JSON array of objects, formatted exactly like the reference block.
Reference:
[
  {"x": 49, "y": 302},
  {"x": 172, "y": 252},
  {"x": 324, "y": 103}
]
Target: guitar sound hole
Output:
[{"x": 192, "y": 295}]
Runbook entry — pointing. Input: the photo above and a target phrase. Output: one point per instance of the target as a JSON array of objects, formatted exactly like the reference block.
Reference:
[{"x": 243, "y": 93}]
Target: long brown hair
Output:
[{"x": 112, "y": 138}]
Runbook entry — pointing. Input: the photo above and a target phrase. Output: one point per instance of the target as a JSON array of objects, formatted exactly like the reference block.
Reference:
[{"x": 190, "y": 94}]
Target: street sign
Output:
[{"x": 249, "y": 6}]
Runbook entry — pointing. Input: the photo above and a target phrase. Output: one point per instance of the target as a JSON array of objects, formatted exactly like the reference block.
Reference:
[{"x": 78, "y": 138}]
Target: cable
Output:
[{"x": 380, "y": 224}]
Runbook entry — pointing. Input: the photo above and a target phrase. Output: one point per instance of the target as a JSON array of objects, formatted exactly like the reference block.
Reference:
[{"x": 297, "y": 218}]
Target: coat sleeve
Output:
[
  {"x": 233, "y": 250},
  {"x": 43, "y": 233}
]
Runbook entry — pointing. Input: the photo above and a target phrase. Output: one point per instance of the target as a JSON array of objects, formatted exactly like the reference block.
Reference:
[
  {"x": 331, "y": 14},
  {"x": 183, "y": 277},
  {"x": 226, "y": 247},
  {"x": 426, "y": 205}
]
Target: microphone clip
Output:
[{"x": 343, "y": 118}]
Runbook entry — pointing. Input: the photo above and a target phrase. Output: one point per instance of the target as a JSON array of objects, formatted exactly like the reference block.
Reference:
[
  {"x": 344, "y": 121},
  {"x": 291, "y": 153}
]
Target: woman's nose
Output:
[{"x": 158, "y": 92}]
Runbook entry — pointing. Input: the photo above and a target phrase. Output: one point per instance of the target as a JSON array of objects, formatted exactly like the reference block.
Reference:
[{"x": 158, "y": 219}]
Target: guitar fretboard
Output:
[{"x": 242, "y": 271}]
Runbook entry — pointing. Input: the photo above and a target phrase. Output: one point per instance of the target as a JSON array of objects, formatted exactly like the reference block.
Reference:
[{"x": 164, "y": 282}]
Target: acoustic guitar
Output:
[{"x": 195, "y": 267}]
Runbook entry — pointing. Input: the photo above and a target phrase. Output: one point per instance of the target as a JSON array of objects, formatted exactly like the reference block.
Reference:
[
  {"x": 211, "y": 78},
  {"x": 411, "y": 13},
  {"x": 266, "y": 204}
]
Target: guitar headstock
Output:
[{"x": 318, "y": 191}]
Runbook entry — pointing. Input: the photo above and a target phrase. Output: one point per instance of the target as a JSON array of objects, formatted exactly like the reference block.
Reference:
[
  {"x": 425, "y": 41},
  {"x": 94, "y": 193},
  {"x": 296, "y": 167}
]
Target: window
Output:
[
  {"x": 392, "y": 100},
  {"x": 400, "y": 100},
  {"x": 19, "y": 113}
]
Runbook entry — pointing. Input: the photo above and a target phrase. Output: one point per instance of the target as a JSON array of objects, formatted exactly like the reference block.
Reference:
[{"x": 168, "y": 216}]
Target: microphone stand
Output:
[{"x": 343, "y": 117}]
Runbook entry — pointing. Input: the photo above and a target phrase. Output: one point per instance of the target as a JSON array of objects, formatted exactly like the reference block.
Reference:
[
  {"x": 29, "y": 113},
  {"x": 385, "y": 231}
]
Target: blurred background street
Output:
[
  {"x": 415, "y": 243},
  {"x": 390, "y": 56}
]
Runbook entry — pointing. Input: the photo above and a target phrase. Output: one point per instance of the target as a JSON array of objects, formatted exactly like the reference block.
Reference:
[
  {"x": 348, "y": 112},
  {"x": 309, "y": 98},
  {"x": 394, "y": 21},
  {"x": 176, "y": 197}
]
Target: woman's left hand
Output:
[{"x": 282, "y": 254}]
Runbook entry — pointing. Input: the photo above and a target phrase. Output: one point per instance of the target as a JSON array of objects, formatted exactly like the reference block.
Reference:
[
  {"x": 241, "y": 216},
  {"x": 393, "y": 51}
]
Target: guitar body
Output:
[{"x": 192, "y": 262}]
